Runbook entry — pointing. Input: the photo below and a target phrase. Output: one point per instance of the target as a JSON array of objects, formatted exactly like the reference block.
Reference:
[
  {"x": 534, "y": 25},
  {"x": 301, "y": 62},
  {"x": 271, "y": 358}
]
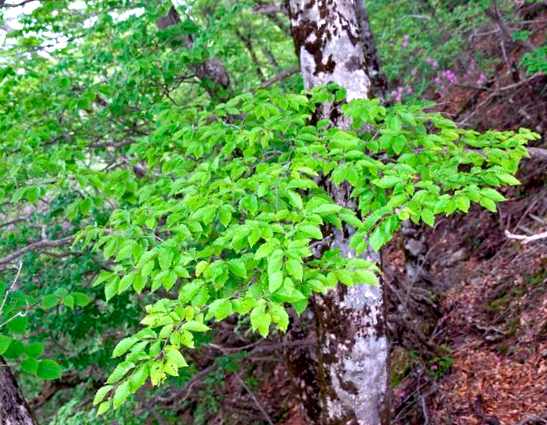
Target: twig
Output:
[
  {"x": 14, "y": 221},
  {"x": 22, "y": 3},
  {"x": 279, "y": 77},
  {"x": 269, "y": 9},
  {"x": 260, "y": 407},
  {"x": 33, "y": 247},
  {"x": 524, "y": 238},
  {"x": 10, "y": 287},
  {"x": 424, "y": 410},
  {"x": 15, "y": 316},
  {"x": 251, "y": 394},
  {"x": 533, "y": 419}
]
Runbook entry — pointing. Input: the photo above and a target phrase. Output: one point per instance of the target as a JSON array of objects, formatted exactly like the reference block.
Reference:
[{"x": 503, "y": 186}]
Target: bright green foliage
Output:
[
  {"x": 192, "y": 209},
  {"x": 227, "y": 216},
  {"x": 536, "y": 60}
]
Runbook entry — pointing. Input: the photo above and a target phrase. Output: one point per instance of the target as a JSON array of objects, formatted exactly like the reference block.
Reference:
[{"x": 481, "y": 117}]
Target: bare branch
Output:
[
  {"x": 269, "y": 9},
  {"x": 22, "y": 3},
  {"x": 279, "y": 77},
  {"x": 34, "y": 246},
  {"x": 524, "y": 238},
  {"x": 8, "y": 290}
]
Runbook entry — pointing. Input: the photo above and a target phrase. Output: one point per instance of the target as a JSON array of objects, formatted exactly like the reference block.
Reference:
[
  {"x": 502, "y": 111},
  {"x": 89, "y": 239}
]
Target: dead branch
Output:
[
  {"x": 524, "y": 238},
  {"x": 34, "y": 246}
]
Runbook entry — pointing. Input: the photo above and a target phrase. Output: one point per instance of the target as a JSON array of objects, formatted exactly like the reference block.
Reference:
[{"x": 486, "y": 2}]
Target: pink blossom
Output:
[
  {"x": 432, "y": 62},
  {"x": 450, "y": 76}
]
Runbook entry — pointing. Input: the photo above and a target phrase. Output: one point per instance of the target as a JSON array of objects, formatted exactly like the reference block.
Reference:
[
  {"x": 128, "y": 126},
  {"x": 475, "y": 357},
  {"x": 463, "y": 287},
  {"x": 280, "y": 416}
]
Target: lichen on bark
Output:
[{"x": 352, "y": 371}]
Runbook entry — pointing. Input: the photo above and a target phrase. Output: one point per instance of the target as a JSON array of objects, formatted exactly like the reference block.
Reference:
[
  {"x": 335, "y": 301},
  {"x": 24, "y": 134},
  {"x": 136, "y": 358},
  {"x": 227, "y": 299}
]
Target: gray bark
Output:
[
  {"x": 353, "y": 353},
  {"x": 13, "y": 407}
]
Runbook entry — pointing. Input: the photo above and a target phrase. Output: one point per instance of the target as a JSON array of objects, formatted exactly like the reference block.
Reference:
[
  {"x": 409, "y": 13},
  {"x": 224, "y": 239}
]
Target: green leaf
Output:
[
  {"x": 69, "y": 301},
  {"x": 225, "y": 215},
  {"x": 200, "y": 267},
  {"x": 15, "y": 349},
  {"x": 49, "y": 301},
  {"x": 275, "y": 280},
  {"x": 311, "y": 231},
  {"x": 220, "y": 309},
  {"x": 34, "y": 349},
  {"x": 428, "y": 217},
  {"x": 327, "y": 209},
  {"x": 120, "y": 395},
  {"x": 264, "y": 250},
  {"x": 81, "y": 299},
  {"x": 111, "y": 289},
  {"x": 295, "y": 269},
  {"x": 49, "y": 370},
  {"x": 345, "y": 276},
  {"x": 174, "y": 356},
  {"x": 195, "y": 326},
  {"x": 275, "y": 262},
  {"x": 488, "y": 203},
  {"x": 119, "y": 372},
  {"x": 295, "y": 199},
  {"x": 508, "y": 179},
  {"x": 147, "y": 268},
  {"x": 492, "y": 194},
  {"x": 30, "y": 366},
  {"x": 238, "y": 268},
  {"x": 366, "y": 277},
  {"x": 123, "y": 346},
  {"x": 279, "y": 316},
  {"x": 101, "y": 394},
  {"x": 103, "y": 407},
  {"x": 5, "y": 342},
  {"x": 387, "y": 181},
  {"x": 18, "y": 325},
  {"x": 260, "y": 320},
  {"x": 377, "y": 239},
  {"x": 165, "y": 258}
]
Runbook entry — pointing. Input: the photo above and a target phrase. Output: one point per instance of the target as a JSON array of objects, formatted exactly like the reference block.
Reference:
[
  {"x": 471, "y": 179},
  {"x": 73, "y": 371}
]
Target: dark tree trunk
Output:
[
  {"x": 13, "y": 407},
  {"x": 334, "y": 44}
]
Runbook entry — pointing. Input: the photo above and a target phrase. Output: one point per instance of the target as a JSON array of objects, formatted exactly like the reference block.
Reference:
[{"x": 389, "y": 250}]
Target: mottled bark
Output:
[
  {"x": 328, "y": 42},
  {"x": 352, "y": 372},
  {"x": 13, "y": 407}
]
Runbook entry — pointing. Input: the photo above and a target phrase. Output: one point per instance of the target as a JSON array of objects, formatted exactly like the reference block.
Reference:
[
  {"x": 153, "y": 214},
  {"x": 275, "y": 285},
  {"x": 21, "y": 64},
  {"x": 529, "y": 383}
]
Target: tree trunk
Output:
[
  {"x": 13, "y": 407},
  {"x": 353, "y": 352}
]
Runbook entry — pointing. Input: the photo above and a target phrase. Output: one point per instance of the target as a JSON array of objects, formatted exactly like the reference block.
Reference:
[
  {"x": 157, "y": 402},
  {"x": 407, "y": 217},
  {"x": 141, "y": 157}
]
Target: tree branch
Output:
[
  {"x": 22, "y": 3},
  {"x": 524, "y": 238},
  {"x": 279, "y": 77},
  {"x": 34, "y": 246}
]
